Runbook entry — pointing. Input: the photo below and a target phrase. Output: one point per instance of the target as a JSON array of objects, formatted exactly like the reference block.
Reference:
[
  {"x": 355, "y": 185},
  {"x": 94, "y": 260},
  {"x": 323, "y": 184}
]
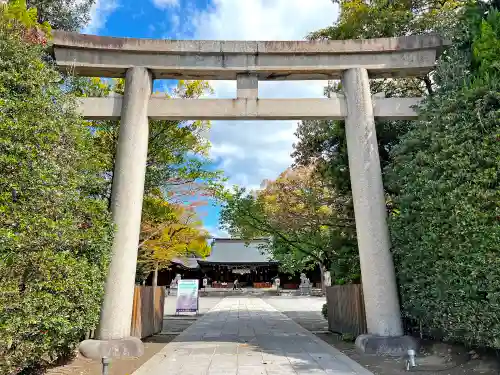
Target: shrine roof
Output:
[
  {"x": 190, "y": 263},
  {"x": 237, "y": 251}
]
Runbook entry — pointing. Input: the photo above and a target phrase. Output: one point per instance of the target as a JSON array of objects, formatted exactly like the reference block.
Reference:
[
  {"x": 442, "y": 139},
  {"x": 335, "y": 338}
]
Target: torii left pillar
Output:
[{"x": 126, "y": 206}]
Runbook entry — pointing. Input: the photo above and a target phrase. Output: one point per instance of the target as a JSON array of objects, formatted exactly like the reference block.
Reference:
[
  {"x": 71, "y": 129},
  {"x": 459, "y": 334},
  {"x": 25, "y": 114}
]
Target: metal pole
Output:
[{"x": 105, "y": 365}]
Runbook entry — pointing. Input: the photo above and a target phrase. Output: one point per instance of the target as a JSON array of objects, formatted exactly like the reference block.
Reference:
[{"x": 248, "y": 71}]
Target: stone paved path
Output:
[
  {"x": 175, "y": 324},
  {"x": 304, "y": 310},
  {"x": 247, "y": 336}
]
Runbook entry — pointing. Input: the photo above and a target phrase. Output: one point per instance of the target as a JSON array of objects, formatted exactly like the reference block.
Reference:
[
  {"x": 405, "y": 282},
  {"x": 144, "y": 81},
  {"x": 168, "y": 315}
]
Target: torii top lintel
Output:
[{"x": 91, "y": 55}]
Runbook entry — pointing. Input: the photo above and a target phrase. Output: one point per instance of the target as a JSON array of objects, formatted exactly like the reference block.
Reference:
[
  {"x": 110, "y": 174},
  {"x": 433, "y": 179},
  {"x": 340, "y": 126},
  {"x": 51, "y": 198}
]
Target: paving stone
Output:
[
  {"x": 247, "y": 336},
  {"x": 251, "y": 370},
  {"x": 305, "y": 310},
  {"x": 279, "y": 369},
  {"x": 312, "y": 372},
  {"x": 335, "y": 365},
  {"x": 250, "y": 360},
  {"x": 223, "y": 349},
  {"x": 278, "y": 359},
  {"x": 192, "y": 371},
  {"x": 223, "y": 363}
]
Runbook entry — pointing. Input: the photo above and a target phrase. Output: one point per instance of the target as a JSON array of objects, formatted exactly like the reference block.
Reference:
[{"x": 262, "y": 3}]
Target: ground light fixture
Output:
[{"x": 410, "y": 361}]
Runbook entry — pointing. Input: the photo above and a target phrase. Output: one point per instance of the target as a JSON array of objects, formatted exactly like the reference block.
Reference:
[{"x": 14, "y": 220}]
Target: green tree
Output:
[
  {"x": 178, "y": 161},
  {"x": 307, "y": 223},
  {"x": 322, "y": 143},
  {"x": 445, "y": 178},
  {"x": 69, "y": 15},
  {"x": 177, "y": 169},
  {"x": 169, "y": 231},
  {"x": 54, "y": 232},
  {"x": 15, "y": 17}
]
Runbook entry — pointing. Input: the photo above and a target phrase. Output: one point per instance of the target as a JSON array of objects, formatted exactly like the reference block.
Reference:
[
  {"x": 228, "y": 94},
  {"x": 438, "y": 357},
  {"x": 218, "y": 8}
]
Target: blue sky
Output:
[{"x": 247, "y": 151}]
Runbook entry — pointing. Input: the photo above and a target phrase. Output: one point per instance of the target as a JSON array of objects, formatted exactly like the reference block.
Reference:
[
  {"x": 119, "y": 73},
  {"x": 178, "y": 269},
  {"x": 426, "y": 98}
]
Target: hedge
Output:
[
  {"x": 55, "y": 230},
  {"x": 445, "y": 226}
]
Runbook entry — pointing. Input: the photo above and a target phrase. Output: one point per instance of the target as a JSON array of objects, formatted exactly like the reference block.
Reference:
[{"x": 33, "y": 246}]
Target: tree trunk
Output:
[
  {"x": 154, "y": 282},
  {"x": 326, "y": 279},
  {"x": 322, "y": 269}
]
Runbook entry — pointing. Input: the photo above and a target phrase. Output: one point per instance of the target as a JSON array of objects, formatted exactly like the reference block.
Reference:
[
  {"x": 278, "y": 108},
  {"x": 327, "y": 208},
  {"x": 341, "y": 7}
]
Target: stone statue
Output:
[
  {"x": 305, "y": 285},
  {"x": 277, "y": 282},
  {"x": 304, "y": 280},
  {"x": 175, "y": 281}
]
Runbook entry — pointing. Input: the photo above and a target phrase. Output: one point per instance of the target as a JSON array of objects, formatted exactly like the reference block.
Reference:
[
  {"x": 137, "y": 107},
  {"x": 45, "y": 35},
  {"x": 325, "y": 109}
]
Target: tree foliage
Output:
[
  {"x": 177, "y": 159},
  {"x": 441, "y": 173},
  {"x": 445, "y": 178},
  {"x": 16, "y": 17},
  {"x": 307, "y": 222},
  {"x": 322, "y": 143},
  {"x": 177, "y": 172},
  {"x": 69, "y": 15},
  {"x": 169, "y": 231},
  {"x": 380, "y": 18},
  {"x": 54, "y": 232}
]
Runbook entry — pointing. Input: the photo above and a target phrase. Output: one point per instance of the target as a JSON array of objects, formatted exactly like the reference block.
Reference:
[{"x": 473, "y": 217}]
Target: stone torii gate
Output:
[{"x": 353, "y": 61}]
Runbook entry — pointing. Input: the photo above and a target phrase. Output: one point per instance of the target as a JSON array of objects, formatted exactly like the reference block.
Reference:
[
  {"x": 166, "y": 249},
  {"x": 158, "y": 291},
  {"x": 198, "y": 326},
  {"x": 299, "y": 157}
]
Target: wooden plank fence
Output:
[
  {"x": 147, "y": 313},
  {"x": 346, "y": 309}
]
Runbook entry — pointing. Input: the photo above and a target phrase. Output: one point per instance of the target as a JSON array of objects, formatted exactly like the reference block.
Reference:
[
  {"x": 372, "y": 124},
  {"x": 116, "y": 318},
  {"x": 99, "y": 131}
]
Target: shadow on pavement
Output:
[{"x": 249, "y": 334}]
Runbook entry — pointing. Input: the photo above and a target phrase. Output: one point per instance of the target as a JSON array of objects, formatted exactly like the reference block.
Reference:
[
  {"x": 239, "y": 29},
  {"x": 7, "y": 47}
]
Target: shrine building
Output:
[{"x": 231, "y": 259}]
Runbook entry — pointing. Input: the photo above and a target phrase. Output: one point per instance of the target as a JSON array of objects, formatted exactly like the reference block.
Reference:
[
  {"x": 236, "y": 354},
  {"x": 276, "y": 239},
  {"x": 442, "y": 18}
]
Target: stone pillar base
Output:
[
  {"x": 119, "y": 348},
  {"x": 396, "y": 346}
]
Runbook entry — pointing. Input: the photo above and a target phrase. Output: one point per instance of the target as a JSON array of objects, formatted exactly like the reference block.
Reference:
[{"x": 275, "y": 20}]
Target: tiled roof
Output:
[
  {"x": 231, "y": 251},
  {"x": 191, "y": 263}
]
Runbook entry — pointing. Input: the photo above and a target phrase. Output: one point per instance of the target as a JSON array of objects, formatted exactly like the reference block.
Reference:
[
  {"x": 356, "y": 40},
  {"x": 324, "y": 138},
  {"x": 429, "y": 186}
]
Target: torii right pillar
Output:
[{"x": 383, "y": 317}]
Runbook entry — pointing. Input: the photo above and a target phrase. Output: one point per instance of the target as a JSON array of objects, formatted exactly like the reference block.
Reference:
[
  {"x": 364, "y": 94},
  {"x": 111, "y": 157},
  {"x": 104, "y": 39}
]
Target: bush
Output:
[
  {"x": 348, "y": 337},
  {"x": 54, "y": 310},
  {"x": 324, "y": 311},
  {"x": 55, "y": 231},
  {"x": 445, "y": 227}
]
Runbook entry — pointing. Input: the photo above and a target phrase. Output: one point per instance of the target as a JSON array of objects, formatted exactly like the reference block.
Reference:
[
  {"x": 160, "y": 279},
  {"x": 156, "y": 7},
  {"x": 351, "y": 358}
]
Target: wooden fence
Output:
[
  {"x": 147, "y": 313},
  {"x": 346, "y": 309}
]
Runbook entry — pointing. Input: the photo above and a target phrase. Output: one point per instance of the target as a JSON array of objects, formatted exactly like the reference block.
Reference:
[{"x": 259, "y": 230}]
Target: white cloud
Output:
[
  {"x": 250, "y": 151},
  {"x": 162, "y": 4},
  {"x": 264, "y": 19},
  {"x": 217, "y": 232},
  {"x": 99, "y": 14},
  {"x": 223, "y": 150}
]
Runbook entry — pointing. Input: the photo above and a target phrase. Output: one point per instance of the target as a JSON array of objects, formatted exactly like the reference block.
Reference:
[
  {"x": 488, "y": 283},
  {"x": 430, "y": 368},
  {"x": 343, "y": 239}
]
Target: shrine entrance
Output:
[{"x": 248, "y": 62}]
